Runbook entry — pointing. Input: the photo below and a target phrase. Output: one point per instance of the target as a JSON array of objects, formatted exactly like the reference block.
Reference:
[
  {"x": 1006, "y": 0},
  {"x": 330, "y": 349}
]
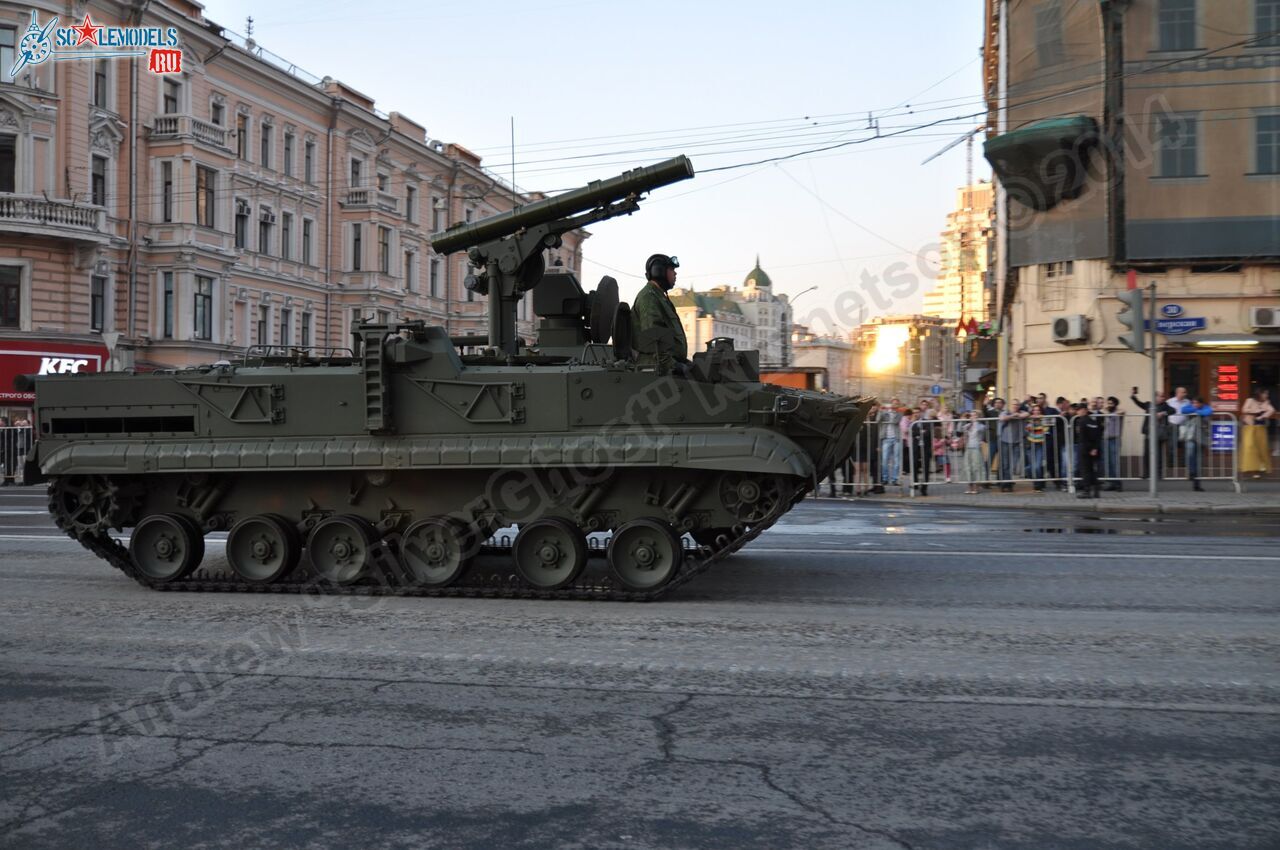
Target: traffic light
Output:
[{"x": 1132, "y": 318}]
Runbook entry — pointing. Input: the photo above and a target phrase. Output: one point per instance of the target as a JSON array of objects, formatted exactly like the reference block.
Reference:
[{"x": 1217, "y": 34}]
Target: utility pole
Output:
[{"x": 1153, "y": 443}]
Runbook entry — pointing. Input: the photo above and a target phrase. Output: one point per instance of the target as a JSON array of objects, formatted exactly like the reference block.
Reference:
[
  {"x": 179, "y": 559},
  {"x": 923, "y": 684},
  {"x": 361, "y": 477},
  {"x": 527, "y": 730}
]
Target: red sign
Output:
[
  {"x": 1226, "y": 386},
  {"x": 42, "y": 357},
  {"x": 164, "y": 61}
]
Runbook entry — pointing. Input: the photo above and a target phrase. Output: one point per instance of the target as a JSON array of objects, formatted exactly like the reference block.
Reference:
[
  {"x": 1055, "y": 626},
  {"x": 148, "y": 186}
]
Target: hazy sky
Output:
[{"x": 599, "y": 86}]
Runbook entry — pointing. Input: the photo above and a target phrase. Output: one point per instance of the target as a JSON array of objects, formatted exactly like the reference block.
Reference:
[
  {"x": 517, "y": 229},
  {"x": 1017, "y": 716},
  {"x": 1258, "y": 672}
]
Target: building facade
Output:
[
  {"x": 961, "y": 291},
  {"x": 240, "y": 202},
  {"x": 1136, "y": 139},
  {"x": 833, "y": 355},
  {"x": 908, "y": 357},
  {"x": 753, "y": 316}
]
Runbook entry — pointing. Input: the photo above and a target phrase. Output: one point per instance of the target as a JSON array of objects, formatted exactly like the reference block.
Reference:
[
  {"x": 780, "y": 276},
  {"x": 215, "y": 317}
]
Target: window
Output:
[
  {"x": 411, "y": 204},
  {"x": 98, "y": 181},
  {"x": 166, "y": 190},
  {"x": 309, "y": 162},
  {"x": 306, "y": 241},
  {"x": 10, "y": 296},
  {"x": 1267, "y": 20},
  {"x": 434, "y": 278},
  {"x": 8, "y": 40},
  {"x": 305, "y": 339},
  {"x": 1268, "y": 138},
  {"x": 166, "y": 320},
  {"x": 217, "y": 113},
  {"x": 357, "y": 246},
  {"x": 286, "y": 236},
  {"x": 462, "y": 276},
  {"x": 100, "y": 83},
  {"x": 242, "y": 223},
  {"x": 97, "y": 301},
  {"x": 356, "y": 168},
  {"x": 409, "y": 282},
  {"x": 384, "y": 317},
  {"x": 1177, "y": 23},
  {"x": 384, "y": 250},
  {"x": 286, "y": 327},
  {"x": 1053, "y": 284},
  {"x": 172, "y": 96},
  {"x": 266, "y": 221},
  {"x": 242, "y": 136},
  {"x": 203, "y": 313},
  {"x": 8, "y": 162},
  {"x": 206, "y": 196},
  {"x": 437, "y": 218},
  {"x": 288, "y": 154},
  {"x": 384, "y": 182},
  {"x": 1049, "y": 49},
  {"x": 1176, "y": 139},
  {"x": 264, "y": 139},
  {"x": 264, "y": 323}
]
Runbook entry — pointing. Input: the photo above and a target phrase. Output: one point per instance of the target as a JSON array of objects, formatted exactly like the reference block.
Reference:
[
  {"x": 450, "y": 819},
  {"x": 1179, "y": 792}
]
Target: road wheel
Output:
[
  {"x": 644, "y": 554},
  {"x": 339, "y": 548},
  {"x": 549, "y": 553},
  {"x": 263, "y": 549},
  {"x": 166, "y": 547},
  {"x": 438, "y": 550}
]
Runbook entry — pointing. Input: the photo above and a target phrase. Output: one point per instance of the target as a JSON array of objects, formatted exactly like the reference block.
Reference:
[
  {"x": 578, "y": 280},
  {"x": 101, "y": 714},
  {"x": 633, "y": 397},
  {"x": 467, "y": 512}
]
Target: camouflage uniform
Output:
[{"x": 653, "y": 309}]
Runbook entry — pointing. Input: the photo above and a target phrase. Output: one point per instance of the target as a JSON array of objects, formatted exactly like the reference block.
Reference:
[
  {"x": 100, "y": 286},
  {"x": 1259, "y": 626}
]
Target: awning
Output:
[
  {"x": 1208, "y": 339},
  {"x": 1043, "y": 163}
]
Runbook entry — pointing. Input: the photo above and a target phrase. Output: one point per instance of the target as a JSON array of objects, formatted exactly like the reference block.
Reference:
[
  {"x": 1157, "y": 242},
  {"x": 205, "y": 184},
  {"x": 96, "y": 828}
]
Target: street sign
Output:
[
  {"x": 1175, "y": 327},
  {"x": 1171, "y": 311},
  {"x": 1223, "y": 435},
  {"x": 936, "y": 389}
]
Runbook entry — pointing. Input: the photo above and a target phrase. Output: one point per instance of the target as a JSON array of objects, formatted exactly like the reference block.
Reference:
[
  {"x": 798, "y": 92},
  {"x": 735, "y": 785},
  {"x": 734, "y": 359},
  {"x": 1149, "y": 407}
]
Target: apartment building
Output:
[
  {"x": 168, "y": 219},
  {"x": 961, "y": 291},
  {"x": 1136, "y": 139},
  {"x": 752, "y": 315}
]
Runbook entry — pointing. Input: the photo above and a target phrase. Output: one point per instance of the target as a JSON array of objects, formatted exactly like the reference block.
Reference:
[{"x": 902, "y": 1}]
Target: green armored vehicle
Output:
[{"x": 393, "y": 467}]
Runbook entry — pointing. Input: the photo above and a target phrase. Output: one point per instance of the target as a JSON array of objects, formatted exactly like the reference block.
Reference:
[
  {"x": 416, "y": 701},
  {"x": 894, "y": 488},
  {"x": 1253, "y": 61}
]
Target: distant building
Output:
[
  {"x": 905, "y": 356},
  {"x": 753, "y": 317},
  {"x": 1141, "y": 138},
  {"x": 834, "y": 355},
  {"x": 961, "y": 291}
]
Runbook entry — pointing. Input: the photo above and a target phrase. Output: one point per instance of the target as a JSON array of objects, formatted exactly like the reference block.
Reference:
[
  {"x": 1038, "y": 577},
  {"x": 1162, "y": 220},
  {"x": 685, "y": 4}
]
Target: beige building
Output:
[
  {"x": 239, "y": 202},
  {"x": 834, "y": 355},
  {"x": 961, "y": 291},
  {"x": 1137, "y": 137},
  {"x": 752, "y": 316}
]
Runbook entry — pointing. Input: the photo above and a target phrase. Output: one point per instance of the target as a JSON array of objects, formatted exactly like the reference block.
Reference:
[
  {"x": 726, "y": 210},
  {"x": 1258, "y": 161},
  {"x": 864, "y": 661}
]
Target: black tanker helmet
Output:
[{"x": 655, "y": 268}]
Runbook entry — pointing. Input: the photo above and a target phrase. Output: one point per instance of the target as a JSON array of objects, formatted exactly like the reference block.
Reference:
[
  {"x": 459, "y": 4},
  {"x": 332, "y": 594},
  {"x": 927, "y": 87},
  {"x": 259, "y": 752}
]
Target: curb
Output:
[{"x": 1087, "y": 506}]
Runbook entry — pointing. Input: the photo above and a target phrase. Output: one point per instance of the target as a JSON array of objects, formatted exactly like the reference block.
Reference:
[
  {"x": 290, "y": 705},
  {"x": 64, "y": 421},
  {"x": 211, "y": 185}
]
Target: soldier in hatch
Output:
[{"x": 653, "y": 311}]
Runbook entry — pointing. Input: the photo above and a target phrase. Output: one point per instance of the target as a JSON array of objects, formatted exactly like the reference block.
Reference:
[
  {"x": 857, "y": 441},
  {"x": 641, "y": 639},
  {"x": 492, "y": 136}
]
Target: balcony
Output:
[
  {"x": 364, "y": 198},
  {"x": 36, "y": 216},
  {"x": 177, "y": 128}
]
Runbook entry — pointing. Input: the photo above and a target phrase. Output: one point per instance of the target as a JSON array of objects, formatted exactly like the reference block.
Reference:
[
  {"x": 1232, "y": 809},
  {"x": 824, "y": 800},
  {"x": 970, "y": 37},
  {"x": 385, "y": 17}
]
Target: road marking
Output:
[{"x": 1039, "y": 553}]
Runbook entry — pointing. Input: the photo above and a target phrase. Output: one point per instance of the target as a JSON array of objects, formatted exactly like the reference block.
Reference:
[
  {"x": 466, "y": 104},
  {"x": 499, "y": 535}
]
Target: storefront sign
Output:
[
  {"x": 40, "y": 357},
  {"x": 1174, "y": 327},
  {"x": 1223, "y": 435},
  {"x": 1226, "y": 385}
]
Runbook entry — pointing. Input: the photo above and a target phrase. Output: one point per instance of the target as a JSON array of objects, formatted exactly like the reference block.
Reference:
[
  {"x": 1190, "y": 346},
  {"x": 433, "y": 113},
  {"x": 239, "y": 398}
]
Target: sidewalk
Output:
[{"x": 1259, "y": 497}]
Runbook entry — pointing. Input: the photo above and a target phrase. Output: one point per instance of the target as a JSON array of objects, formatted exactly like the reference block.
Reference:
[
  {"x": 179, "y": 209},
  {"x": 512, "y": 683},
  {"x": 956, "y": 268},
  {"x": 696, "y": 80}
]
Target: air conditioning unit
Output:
[
  {"x": 1265, "y": 318},
  {"x": 1071, "y": 329},
  {"x": 268, "y": 217}
]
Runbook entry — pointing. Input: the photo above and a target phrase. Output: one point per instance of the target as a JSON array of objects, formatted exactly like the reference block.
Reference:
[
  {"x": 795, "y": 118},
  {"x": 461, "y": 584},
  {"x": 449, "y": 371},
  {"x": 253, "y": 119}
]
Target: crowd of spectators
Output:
[{"x": 1048, "y": 443}]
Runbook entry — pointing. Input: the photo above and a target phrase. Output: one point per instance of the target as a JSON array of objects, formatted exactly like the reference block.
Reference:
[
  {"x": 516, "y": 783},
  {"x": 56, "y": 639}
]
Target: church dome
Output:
[{"x": 757, "y": 277}]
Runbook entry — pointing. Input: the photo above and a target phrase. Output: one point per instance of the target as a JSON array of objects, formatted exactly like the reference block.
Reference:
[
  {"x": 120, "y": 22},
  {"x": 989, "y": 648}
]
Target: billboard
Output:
[{"x": 43, "y": 357}]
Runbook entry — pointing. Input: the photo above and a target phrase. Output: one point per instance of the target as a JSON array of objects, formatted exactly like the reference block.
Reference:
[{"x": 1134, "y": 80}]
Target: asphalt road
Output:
[{"x": 920, "y": 678}]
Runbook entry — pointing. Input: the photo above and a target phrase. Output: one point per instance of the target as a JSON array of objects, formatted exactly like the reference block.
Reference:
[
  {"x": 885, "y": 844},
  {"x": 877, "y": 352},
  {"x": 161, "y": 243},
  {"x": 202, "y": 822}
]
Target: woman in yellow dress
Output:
[{"x": 1254, "y": 457}]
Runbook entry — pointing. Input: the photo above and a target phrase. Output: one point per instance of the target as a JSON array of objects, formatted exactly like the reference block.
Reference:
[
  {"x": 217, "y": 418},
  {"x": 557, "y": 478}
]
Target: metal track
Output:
[{"x": 388, "y": 577}]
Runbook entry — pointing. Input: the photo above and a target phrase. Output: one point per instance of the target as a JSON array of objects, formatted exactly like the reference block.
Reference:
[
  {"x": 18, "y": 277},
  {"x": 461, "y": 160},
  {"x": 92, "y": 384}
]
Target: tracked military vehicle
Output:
[{"x": 395, "y": 466}]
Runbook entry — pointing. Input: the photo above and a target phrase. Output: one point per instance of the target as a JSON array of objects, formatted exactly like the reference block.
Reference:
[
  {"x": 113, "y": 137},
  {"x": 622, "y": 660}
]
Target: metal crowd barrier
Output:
[
  {"x": 903, "y": 465},
  {"x": 14, "y": 443}
]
